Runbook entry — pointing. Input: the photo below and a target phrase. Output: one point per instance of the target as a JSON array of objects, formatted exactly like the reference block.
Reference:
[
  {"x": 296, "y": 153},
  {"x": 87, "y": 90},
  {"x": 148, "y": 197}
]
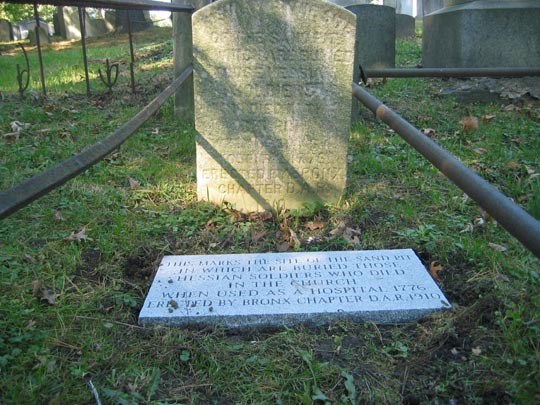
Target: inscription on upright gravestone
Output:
[
  {"x": 281, "y": 289},
  {"x": 272, "y": 101}
]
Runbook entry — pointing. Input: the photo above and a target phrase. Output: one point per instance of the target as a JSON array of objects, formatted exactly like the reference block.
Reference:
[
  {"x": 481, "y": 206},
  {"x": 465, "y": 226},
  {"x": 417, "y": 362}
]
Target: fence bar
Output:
[
  {"x": 116, "y": 4},
  {"x": 38, "y": 43},
  {"x": 513, "y": 218},
  {"x": 131, "y": 53},
  {"x": 16, "y": 197},
  {"x": 453, "y": 72},
  {"x": 82, "y": 24}
]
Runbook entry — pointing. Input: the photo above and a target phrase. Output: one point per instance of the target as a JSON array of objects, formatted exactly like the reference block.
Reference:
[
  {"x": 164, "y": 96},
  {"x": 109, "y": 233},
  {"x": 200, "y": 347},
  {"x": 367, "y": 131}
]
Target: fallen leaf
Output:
[
  {"x": 256, "y": 236},
  {"x": 11, "y": 136},
  {"x": 468, "y": 228},
  {"x": 469, "y": 123},
  {"x": 480, "y": 150},
  {"x": 17, "y": 126},
  {"x": 479, "y": 221},
  {"x": 283, "y": 247},
  {"x": 531, "y": 172},
  {"x": 59, "y": 217},
  {"x": 46, "y": 295},
  {"x": 476, "y": 351},
  {"x": 511, "y": 107},
  {"x": 155, "y": 131},
  {"x": 428, "y": 132},
  {"x": 314, "y": 225},
  {"x": 351, "y": 236},
  {"x": 36, "y": 286},
  {"x": 78, "y": 236},
  {"x": 133, "y": 184},
  {"x": 516, "y": 140},
  {"x": 513, "y": 165},
  {"x": 294, "y": 238},
  {"x": 434, "y": 269},
  {"x": 454, "y": 351},
  {"x": 260, "y": 216},
  {"x": 41, "y": 292},
  {"x": 497, "y": 247},
  {"x": 338, "y": 230},
  {"x": 486, "y": 118}
]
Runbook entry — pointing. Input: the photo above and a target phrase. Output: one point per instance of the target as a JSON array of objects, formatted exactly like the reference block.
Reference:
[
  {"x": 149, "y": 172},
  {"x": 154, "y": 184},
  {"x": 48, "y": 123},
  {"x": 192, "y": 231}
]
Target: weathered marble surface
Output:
[
  {"x": 283, "y": 289},
  {"x": 272, "y": 101}
]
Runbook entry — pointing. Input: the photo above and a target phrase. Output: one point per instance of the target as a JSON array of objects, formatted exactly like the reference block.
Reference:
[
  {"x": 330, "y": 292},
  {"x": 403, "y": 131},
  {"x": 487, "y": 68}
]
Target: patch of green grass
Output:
[{"x": 70, "y": 303}]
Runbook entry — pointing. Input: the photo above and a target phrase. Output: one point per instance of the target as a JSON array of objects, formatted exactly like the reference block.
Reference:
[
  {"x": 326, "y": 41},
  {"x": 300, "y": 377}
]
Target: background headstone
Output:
[
  {"x": 43, "y": 36},
  {"x": 429, "y": 6},
  {"x": 6, "y": 33},
  {"x": 483, "y": 33},
  {"x": 98, "y": 22},
  {"x": 272, "y": 101},
  {"x": 404, "y": 19}
]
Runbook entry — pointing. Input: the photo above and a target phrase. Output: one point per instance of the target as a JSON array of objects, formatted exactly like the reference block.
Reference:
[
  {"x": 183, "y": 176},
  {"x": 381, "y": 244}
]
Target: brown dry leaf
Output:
[
  {"x": 283, "y": 247},
  {"x": 469, "y": 123},
  {"x": 497, "y": 247},
  {"x": 486, "y": 118},
  {"x": 480, "y": 150},
  {"x": 260, "y": 216},
  {"x": 59, "y": 217},
  {"x": 513, "y": 165},
  {"x": 352, "y": 236},
  {"x": 78, "y": 236},
  {"x": 46, "y": 295},
  {"x": 11, "y": 137},
  {"x": 516, "y": 140},
  {"x": 133, "y": 184},
  {"x": 36, "y": 286},
  {"x": 314, "y": 225},
  {"x": 434, "y": 269},
  {"x": 511, "y": 107},
  {"x": 256, "y": 236},
  {"x": 41, "y": 292},
  {"x": 338, "y": 230},
  {"x": 294, "y": 239},
  {"x": 428, "y": 132}
]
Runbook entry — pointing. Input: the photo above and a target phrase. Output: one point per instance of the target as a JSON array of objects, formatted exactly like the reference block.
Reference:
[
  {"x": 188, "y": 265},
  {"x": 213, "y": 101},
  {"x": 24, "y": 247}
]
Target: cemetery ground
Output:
[{"x": 76, "y": 264}]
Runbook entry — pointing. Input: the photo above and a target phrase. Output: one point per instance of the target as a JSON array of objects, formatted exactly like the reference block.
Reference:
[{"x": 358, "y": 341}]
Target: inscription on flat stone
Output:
[
  {"x": 281, "y": 289},
  {"x": 272, "y": 101}
]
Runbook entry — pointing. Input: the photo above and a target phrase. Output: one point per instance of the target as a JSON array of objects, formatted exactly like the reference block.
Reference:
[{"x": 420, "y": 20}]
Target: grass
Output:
[{"x": 69, "y": 308}]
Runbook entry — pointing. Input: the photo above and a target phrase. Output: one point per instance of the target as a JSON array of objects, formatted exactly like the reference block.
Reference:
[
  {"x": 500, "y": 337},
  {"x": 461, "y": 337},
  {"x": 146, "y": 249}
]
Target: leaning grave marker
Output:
[
  {"x": 272, "y": 85},
  {"x": 284, "y": 289}
]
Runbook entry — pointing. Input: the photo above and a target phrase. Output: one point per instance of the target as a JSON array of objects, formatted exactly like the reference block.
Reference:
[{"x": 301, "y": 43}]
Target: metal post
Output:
[
  {"x": 132, "y": 53},
  {"x": 82, "y": 23},
  {"x": 513, "y": 218},
  {"x": 38, "y": 43},
  {"x": 453, "y": 72}
]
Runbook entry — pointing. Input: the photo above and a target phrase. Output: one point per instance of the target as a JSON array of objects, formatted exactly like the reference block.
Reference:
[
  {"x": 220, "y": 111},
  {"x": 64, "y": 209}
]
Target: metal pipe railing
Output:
[
  {"x": 452, "y": 72},
  {"x": 116, "y": 4},
  {"x": 17, "y": 197},
  {"x": 512, "y": 217}
]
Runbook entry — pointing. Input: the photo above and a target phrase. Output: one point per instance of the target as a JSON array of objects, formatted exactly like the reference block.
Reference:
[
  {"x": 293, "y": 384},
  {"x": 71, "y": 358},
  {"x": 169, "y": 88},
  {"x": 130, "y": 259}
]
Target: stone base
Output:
[
  {"x": 501, "y": 33},
  {"x": 378, "y": 22},
  {"x": 404, "y": 26}
]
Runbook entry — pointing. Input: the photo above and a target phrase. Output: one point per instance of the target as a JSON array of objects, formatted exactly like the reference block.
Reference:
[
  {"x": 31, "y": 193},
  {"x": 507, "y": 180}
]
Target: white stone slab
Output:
[{"x": 283, "y": 289}]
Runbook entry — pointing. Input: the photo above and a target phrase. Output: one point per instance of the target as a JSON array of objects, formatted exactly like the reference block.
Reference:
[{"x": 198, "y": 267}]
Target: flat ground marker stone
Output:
[
  {"x": 284, "y": 289},
  {"x": 273, "y": 101}
]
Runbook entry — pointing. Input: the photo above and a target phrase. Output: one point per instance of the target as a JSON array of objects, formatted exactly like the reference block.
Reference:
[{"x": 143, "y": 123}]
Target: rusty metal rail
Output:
[
  {"x": 453, "y": 72},
  {"x": 116, "y": 4},
  {"x": 513, "y": 218},
  {"x": 17, "y": 197}
]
